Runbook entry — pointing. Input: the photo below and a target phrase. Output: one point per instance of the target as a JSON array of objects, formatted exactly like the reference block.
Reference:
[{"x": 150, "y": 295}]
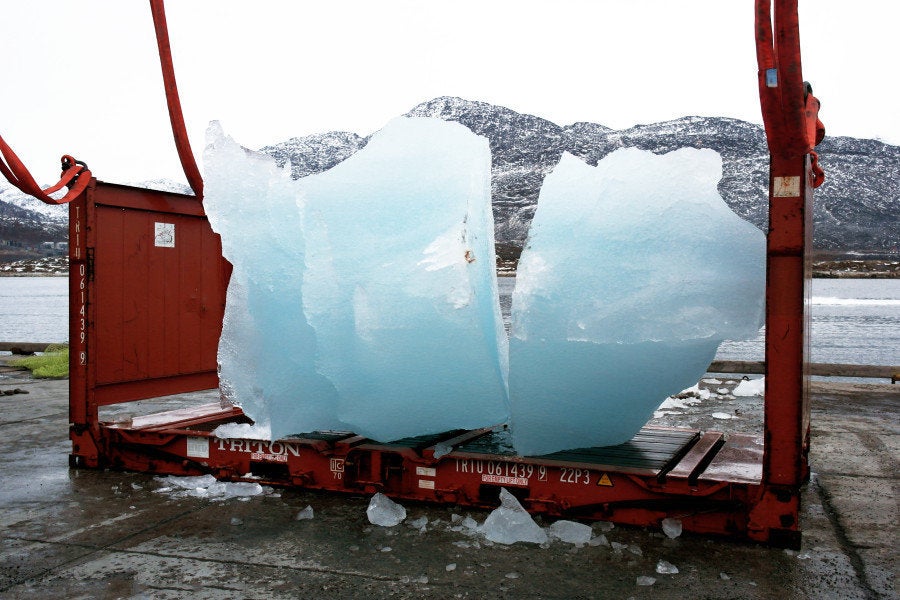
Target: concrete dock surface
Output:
[{"x": 105, "y": 534}]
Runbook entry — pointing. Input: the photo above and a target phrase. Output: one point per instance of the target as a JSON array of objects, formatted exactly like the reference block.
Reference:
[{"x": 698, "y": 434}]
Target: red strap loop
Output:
[{"x": 17, "y": 174}]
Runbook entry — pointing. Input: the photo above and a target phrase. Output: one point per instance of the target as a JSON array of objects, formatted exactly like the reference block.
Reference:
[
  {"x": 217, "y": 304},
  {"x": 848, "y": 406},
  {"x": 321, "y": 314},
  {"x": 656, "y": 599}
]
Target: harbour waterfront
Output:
[
  {"x": 34, "y": 309},
  {"x": 855, "y": 321}
]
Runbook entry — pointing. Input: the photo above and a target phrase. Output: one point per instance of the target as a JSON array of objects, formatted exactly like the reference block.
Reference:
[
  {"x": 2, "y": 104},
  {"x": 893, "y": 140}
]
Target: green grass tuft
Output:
[{"x": 54, "y": 363}]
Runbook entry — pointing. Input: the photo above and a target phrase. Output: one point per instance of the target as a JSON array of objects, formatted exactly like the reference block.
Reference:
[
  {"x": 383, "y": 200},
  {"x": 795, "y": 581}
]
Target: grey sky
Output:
[{"x": 83, "y": 78}]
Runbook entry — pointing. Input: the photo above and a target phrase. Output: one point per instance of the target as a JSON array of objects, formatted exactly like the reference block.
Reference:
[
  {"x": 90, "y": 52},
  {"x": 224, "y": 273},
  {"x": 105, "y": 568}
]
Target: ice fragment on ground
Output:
[
  {"x": 419, "y": 523},
  {"x": 724, "y": 576},
  {"x": 600, "y": 540},
  {"x": 306, "y": 513},
  {"x": 242, "y": 489},
  {"x": 450, "y": 567},
  {"x": 645, "y": 580},
  {"x": 386, "y": 549},
  {"x": 712, "y": 381},
  {"x": 666, "y": 568},
  {"x": 384, "y": 512},
  {"x": 237, "y": 521},
  {"x": 510, "y": 523},
  {"x": 570, "y": 532},
  {"x": 692, "y": 395},
  {"x": 673, "y": 271},
  {"x": 671, "y": 527},
  {"x": 722, "y": 391},
  {"x": 512, "y": 575},
  {"x": 604, "y": 526},
  {"x": 635, "y": 549},
  {"x": 206, "y": 486},
  {"x": 722, "y": 416},
  {"x": 466, "y": 524},
  {"x": 618, "y": 547},
  {"x": 750, "y": 387}
]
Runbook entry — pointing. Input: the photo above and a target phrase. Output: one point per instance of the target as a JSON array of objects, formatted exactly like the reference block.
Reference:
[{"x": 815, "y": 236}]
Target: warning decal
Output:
[{"x": 605, "y": 480}]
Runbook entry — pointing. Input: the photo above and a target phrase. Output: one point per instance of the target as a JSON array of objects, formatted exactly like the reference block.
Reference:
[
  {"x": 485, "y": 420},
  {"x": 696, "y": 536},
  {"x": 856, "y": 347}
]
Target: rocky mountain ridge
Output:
[{"x": 856, "y": 210}]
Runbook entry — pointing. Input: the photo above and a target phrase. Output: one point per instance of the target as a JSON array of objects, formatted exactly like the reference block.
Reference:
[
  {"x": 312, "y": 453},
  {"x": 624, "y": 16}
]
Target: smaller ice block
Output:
[{"x": 633, "y": 273}]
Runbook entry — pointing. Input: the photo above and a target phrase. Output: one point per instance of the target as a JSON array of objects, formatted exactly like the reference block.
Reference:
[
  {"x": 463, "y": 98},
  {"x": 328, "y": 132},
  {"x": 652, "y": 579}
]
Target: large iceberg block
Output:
[
  {"x": 267, "y": 348},
  {"x": 633, "y": 273},
  {"x": 400, "y": 283},
  {"x": 364, "y": 297}
]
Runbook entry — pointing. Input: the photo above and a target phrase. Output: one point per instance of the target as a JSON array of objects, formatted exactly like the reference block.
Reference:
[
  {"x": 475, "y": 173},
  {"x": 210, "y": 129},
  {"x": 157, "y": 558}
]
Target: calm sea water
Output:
[
  {"x": 34, "y": 309},
  {"x": 855, "y": 321}
]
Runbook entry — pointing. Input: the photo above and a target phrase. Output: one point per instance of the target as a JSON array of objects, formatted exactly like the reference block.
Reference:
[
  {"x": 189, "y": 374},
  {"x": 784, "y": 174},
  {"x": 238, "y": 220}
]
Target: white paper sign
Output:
[{"x": 164, "y": 235}]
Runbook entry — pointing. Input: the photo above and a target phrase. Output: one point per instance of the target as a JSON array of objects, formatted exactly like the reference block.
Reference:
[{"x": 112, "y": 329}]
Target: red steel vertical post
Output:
[
  {"x": 788, "y": 110},
  {"x": 83, "y": 421}
]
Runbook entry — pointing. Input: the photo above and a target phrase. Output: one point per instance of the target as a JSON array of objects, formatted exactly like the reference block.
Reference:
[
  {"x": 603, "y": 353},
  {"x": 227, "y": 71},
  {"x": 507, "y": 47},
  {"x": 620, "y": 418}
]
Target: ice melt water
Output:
[{"x": 634, "y": 271}]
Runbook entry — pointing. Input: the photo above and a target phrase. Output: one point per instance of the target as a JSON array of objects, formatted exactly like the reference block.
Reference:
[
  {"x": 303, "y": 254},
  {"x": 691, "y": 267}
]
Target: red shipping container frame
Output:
[{"x": 147, "y": 292}]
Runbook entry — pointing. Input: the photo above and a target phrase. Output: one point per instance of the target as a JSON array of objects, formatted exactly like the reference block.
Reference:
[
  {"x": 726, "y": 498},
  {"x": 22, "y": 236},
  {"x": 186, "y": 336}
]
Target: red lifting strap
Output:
[
  {"x": 191, "y": 172},
  {"x": 16, "y": 173},
  {"x": 790, "y": 111},
  {"x": 76, "y": 173}
]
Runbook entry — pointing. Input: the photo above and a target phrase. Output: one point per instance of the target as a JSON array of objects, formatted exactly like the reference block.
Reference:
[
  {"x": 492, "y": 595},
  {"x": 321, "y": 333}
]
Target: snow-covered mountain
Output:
[
  {"x": 26, "y": 222},
  {"x": 857, "y": 209}
]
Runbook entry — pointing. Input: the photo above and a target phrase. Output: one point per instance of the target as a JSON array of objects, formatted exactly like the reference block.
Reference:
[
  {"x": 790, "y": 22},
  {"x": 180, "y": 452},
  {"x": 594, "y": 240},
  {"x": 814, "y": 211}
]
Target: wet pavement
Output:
[{"x": 103, "y": 534}]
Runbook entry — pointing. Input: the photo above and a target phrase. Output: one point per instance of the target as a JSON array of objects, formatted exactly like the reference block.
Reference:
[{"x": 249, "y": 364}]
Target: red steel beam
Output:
[{"x": 790, "y": 116}]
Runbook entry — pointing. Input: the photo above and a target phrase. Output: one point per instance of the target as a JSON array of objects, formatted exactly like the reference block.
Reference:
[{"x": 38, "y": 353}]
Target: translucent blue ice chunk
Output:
[
  {"x": 267, "y": 348},
  {"x": 399, "y": 282},
  {"x": 364, "y": 297},
  {"x": 634, "y": 271}
]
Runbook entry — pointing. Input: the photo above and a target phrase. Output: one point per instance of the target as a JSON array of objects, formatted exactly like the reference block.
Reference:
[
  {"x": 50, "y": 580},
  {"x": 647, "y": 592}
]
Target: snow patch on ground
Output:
[{"x": 751, "y": 387}]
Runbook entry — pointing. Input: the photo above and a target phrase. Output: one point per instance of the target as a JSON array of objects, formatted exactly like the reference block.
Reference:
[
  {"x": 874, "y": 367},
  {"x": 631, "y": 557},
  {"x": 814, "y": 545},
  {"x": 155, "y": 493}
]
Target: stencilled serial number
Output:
[
  {"x": 570, "y": 475},
  {"x": 502, "y": 472}
]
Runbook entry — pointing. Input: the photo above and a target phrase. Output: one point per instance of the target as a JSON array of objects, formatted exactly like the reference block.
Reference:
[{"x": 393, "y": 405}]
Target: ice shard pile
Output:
[
  {"x": 633, "y": 273},
  {"x": 363, "y": 298}
]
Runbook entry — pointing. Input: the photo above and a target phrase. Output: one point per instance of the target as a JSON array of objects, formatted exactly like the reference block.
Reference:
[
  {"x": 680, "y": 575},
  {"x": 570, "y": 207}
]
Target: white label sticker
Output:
[
  {"x": 786, "y": 187},
  {"x": 164, "y": 235},
  {"x": 426, "y": 472},
  {"x": 198, "y": 447},
  {"x": 426, "y": 483}
]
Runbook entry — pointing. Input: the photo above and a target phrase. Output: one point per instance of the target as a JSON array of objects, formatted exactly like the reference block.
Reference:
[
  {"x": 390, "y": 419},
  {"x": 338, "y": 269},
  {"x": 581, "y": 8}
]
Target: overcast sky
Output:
[{"x": 83, "y": 77}]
